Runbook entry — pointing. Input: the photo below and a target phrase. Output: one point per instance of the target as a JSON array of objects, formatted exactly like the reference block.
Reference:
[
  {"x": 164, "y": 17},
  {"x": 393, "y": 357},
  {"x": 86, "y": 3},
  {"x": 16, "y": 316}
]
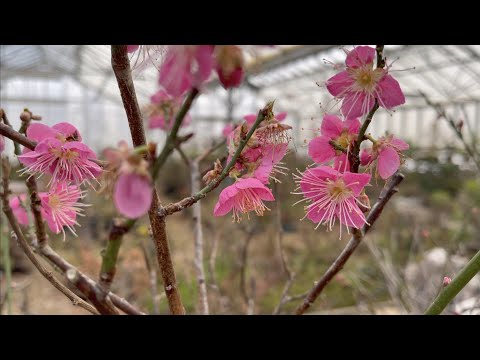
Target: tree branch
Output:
[
  {"x": 16, "y": 137},
  {"x": 189, "y": 201},
  {"x": 121, "y": 68},
  {"x": 388, "y": 191}
]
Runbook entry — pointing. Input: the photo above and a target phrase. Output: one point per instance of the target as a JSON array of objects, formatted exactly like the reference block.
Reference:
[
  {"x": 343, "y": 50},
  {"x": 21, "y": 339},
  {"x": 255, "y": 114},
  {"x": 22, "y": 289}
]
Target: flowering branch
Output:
[
  {"x": 455, "y": 286},
  {"x": 189, "y": 201},
  {"x": 122, "y": 70},
  {"x": 388, "y": 191},
  {"x": 26, "y": 248}
]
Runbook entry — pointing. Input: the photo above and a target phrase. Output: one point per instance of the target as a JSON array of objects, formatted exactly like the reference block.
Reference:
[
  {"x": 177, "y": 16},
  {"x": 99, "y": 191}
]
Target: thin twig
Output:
[
  {"x": 249, "y": 300},
  {"x": 388, "y": 191},
  {"x": 442, "y": 113},
  {"x": 28, "y": 251},
  {"x": 189, "y": 201}
]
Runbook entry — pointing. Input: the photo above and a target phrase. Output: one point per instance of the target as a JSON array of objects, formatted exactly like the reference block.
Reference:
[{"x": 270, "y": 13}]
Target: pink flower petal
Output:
[
  {"x": 157, "y": 122},
  {"x": 39, "y": 132},
  {"x": 356, "y": 182},
  {"x": 390, "y": 93},
  {"x": 353, "y": 125},
  {"x": 341, "y": 163},
  {"x": 388, "y": 162},
  {"x": 359, "y": 56},
  {"x": 159, "y": 97},
  {"x": 317, "y": 214},
  {"x": 18, "y": 210},
  {"x": 366, "y": 156},
  {"x": 132, "y": 195},
  {"x": 353, "y": 218},
  {"x": 339, "y": 84},
  {"x": 399, "y": 144},
  {"x": 68, "y": 130},
  {"x": 132, "y": 48},
  {"x": 232, "y": 80},
  {"x": 205, "y": 61},
  {"x": 357, "y": 104},
  {"x": 332, "y": 126},
  {"x": 223, "y": 208},
  {"x": 175, "y": 76},
  {"x": 320, "y": 150},
  {"x": 250, "y": 119},
  {"x": 281, "y": 116}
]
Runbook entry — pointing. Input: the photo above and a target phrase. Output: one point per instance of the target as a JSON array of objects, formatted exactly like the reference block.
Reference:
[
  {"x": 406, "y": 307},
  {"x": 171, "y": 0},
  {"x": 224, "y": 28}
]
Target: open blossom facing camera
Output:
[
  {"x": 60, "y": 207},
  {"x": 343, "y": 133},
  {"x": 387, "y": 150},
  {"x": 184, "y": 67},
  {"x": 360, "y": 84},
  {"x": 243, "y": 196},
  {"x": 162, "y": 110},
  {"x": 332, "y": 195},
  {"x": 60, "y": 152}
]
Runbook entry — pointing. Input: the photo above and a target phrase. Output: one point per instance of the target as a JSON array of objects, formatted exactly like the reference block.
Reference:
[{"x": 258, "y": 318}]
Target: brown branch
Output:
[
  {"x": 28, "y": 251},
  {"x": 121, "y": 68},
  {"x": 64, "y": 266},
  {"x": 388, "y": 191},
  {"x": 16, "y": 137},
  {"x": 35, "y": 206},
  {"x": 3, "y": 116}
]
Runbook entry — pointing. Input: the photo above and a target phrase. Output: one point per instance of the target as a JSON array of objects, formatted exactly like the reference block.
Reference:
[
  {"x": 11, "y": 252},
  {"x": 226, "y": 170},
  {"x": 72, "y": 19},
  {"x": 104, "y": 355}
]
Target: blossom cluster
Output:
[
  {"x": 334, "y": 189},
  {"x": 258, "y": 163}
]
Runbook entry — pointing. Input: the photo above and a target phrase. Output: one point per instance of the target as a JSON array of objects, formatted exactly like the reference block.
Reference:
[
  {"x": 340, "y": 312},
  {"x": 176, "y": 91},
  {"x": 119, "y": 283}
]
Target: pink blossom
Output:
[
  {"x": 386, "y": 150},
  {"x": 332, "y": 195},
  {"x": 269, "y": 163},
  {"x": 243, "y": 196},
  {"x": 360, "y": 84},
  {"x": 162, "y": 111},
  {"x": 132, "y": 48},
  {"x": 343, "y": 133},
  {"x": 19, "y": 210},
  {"x": 133, "y": 195},
  {"x": 61, "y": 153},
  {"x": 185, "y": 67},
  {"x": 227, "y": 130},
  {"x": 229, "y": 64},
  {"x": 60, "y": 207},
  {"x": 446, "y": 280}
]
